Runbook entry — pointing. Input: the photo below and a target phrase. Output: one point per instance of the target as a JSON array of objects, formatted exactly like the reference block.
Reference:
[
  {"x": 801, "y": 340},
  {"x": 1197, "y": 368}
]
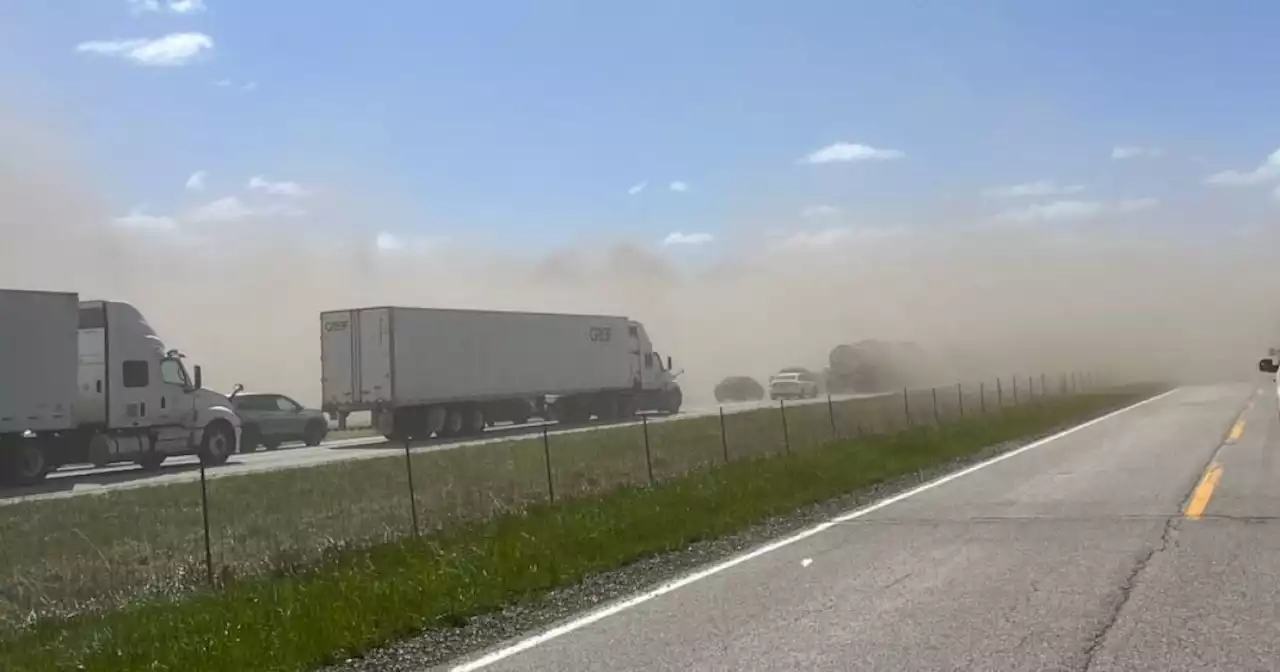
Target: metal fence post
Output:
[
  {"x": 786, "y": 436},
  {"x": 831, "y": 413},
  {"x": 208, "y": 540},
  {"x": 413, "y": 498},
  {"x": 960, "y": 397},
  {"x": 982, "y": 396},
  {"x": 906, "y": 406},
  {"x": 648, "y": 456},
  {"x": 546, "y": 453},
  {"x": 999, "y": 393},
  {"x": 934, "y": 390},
  {"x": 724, "y": 438}
]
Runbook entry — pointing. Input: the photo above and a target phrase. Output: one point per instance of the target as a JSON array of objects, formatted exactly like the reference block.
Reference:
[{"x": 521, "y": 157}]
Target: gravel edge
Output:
[{"x": 435, "y": 648}]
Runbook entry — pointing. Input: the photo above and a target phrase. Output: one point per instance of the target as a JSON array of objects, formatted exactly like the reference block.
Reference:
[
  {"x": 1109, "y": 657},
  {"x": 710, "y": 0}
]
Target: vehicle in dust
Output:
[
  {"x": 270, "y": 419},
  {"x": 90, "y": 382},
  {"x": 739, "y": 388},
  {"x": 793, "y": 384},
  {"x": 425, "y": 372}
]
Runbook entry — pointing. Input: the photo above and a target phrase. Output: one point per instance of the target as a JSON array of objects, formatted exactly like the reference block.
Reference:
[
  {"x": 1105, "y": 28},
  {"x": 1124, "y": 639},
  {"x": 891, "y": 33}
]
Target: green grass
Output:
[
  {"x": 93, "y": 553},
  {"x": 359, "y": 598}
]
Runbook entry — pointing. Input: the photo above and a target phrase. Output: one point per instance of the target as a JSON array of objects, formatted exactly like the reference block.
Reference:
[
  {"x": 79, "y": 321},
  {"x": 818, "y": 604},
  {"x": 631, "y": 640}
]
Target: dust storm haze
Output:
[{"x": 242, "y": 298}]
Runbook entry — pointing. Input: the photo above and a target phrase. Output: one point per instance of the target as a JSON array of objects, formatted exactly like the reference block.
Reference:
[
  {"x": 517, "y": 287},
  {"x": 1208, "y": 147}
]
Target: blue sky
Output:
[{"x": 530, "y": 121}]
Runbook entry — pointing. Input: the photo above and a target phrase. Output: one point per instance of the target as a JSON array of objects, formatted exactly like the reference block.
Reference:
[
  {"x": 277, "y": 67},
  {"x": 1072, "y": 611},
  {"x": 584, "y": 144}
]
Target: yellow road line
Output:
[
  {"x": 1237, "y": 430},
  {"x": 1204, "y": 492}
]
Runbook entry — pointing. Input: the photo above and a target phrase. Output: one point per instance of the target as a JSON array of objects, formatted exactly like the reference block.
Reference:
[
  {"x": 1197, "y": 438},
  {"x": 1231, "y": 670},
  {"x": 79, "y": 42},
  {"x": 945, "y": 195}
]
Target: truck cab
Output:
[
  {"x": 138, "y": 400},
  {"x": 654, "y": 377}
]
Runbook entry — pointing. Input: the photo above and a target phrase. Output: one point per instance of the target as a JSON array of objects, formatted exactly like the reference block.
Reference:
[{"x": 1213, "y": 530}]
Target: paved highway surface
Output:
[
  {"x": 71, "y": 481},
  {"x": 1146, "y": 540}
]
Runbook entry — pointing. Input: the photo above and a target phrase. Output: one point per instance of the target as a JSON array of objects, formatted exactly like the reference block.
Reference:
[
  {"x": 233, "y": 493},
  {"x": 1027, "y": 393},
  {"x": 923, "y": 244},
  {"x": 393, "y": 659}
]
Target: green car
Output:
[{"x": 271, "y": 419}]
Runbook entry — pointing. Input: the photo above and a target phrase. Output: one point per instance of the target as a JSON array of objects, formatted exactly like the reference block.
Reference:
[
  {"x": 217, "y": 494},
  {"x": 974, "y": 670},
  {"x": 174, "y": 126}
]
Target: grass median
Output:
[
  {"x": 95, "y": 553},
  {"x": 358, "y": 599}
]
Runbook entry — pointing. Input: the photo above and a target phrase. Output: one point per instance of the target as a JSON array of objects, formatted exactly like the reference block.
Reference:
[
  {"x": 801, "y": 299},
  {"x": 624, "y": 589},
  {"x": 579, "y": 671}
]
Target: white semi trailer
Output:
[
  {"x": 429, "y": 371},
  {"x": 90, "y": 382}
]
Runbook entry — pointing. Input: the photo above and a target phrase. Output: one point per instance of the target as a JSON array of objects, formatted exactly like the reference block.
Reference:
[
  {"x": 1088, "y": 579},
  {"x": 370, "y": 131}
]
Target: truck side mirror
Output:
[
  {"x": 1268, "y": 365},
  {"x": 199, "y": 377},
  {"x": 668, "y": 362}
]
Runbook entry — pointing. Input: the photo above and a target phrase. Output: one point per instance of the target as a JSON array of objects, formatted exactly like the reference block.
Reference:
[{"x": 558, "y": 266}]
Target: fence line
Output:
[{"x": 278, "y": 521}]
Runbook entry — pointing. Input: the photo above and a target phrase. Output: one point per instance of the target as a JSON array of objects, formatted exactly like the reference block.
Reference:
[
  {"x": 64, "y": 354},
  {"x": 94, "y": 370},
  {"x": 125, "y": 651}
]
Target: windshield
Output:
[{"x": 786, "y": 378}]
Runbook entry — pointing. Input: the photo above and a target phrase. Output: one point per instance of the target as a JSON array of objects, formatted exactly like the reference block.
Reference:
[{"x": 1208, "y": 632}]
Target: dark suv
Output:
[{"x": 272, "y": 419}]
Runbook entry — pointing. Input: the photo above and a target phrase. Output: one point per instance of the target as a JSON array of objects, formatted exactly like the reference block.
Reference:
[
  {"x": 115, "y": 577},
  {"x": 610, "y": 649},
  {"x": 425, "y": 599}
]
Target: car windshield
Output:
[{"x": 786, "y": 378}]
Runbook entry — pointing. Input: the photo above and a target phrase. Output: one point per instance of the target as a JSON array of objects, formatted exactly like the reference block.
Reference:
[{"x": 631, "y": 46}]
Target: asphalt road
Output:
[
  {"x": 78, "y": 481},
  {"x": 1146, "y": 540}
]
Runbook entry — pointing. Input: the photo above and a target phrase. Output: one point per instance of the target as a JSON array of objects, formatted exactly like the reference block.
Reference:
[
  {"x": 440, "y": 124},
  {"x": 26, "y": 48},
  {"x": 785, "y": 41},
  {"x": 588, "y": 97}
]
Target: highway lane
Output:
[
  {"x": 77, "y": 481},
  {"x": 1075, "y": 553}
]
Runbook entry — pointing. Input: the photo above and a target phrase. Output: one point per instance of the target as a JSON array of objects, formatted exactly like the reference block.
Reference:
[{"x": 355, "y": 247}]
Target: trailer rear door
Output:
[
  {"x": 338, "y": 358},
  {"x": 375, "y": 355}
]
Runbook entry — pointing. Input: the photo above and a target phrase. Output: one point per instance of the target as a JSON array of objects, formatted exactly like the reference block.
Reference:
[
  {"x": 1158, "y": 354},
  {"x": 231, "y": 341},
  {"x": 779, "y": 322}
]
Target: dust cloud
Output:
[{"x": 242, "y": 298}]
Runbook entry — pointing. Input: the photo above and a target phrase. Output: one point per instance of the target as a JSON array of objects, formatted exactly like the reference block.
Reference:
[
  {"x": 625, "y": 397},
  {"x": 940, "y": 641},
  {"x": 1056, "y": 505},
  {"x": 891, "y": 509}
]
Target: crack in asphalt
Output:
[{"x": 1127, "y": 586}]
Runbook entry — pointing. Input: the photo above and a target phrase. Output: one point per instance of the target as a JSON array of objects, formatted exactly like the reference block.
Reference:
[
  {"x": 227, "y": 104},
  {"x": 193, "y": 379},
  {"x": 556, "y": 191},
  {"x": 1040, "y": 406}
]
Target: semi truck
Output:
[
  {"x": 424, "y": 372},
  {"x": 876, "y": 366},
  {"x": 90, "y": 382}
]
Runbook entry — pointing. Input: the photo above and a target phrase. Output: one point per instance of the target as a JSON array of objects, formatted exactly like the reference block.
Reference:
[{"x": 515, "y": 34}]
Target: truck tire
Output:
[
  {"x": 675, "y": 397},
  {"x": 314, "y": 434},
  {"x": 23, "y": 464},
  {"x": 607, "y": 408},
  {"x": 454, "y": 424},
  {"x": 218, "y": 443},
  {"x": 473, "y": 422},
  {"x": 250, "y": 437}
]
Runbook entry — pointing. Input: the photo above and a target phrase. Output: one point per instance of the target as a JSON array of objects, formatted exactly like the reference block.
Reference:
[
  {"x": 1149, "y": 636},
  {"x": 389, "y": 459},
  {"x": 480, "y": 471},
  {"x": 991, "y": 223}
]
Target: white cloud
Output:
[
  {"x": 842, "y": 152},
  {"x": 820, "y": 211},
  {"x": 822, "y": 238},
  {"x": 1122, "y": 152},
  {"x": 1037, "y": 188},
  {"x": 186, "y": 6},
  {"x": 1060, "y": 211},
  {"x": 232, "y": 209},
  {"x": 282, "y": 188},
  {"x": 1267, "y": 172},
  {"x": 679, "y": 186},
  {"x": 677, "y": 238},
  {"x": 170, "y": 6},
  {"x": 835, "y": 235},
  {"x": 138, "y": 219},
  {"x": 196, "y": 181},
  {"x": 171, "y": 50},
  {"x": 244, "y": 86},
  {"x": 637, "y": 188},
  {"x": 390, "y": 243}
]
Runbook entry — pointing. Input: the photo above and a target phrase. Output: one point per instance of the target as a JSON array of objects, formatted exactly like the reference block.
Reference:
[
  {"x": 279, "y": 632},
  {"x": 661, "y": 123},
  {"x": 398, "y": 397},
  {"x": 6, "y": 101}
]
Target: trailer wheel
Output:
[
  {"x": 608, "y": 407},
  {"x": 24, "y": 464},
  {"x": 473, "y": 422},
  {"x": 218, "y": 444},
  {"x": 454, "y": 424}
]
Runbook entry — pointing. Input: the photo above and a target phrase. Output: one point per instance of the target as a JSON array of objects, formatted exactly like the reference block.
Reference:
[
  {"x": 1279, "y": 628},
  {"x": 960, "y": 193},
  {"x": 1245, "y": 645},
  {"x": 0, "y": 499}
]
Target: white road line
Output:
[{"x": 618, "y": 607}]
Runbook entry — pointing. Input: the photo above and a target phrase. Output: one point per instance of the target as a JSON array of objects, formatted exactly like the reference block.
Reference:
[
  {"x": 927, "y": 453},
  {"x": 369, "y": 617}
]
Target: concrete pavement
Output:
[{"x": 1073, "y": 554}]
